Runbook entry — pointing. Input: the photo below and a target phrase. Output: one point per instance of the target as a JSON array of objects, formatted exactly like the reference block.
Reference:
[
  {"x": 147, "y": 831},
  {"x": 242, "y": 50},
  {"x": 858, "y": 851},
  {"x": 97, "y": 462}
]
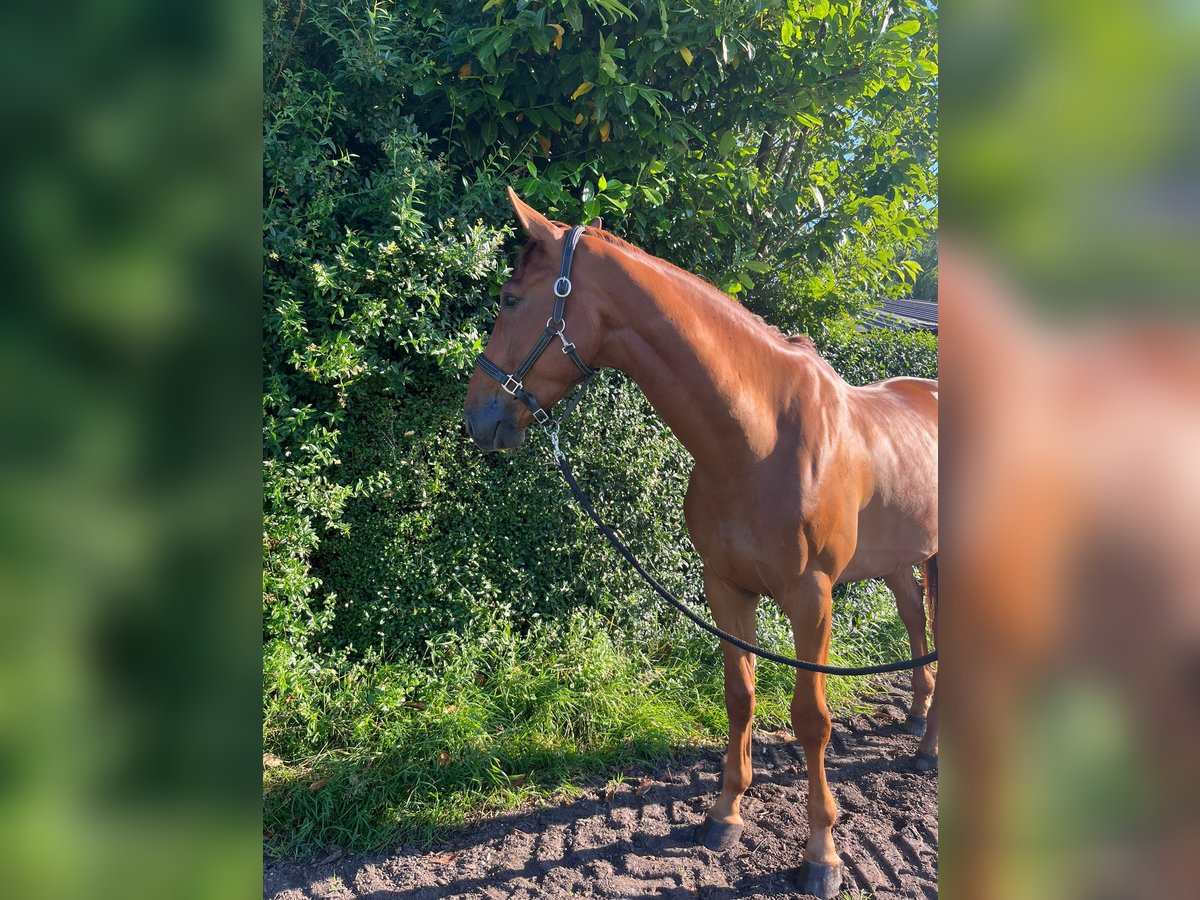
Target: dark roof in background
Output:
[{"x": 902, "y": 315}]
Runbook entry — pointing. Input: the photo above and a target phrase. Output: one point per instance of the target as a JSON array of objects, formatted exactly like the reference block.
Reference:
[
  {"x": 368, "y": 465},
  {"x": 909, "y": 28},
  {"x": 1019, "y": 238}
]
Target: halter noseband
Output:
[{"x": 513, "y": 384}]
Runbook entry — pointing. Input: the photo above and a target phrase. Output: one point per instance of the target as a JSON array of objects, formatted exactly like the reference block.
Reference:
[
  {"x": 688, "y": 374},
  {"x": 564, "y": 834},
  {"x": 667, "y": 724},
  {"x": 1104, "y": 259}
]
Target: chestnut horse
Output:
[{"x": 801, "y": 481}]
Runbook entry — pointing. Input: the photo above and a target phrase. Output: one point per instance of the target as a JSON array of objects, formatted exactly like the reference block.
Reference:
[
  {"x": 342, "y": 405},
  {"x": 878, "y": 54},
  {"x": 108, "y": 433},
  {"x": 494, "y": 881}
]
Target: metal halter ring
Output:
[
  {"x": 559, "y": 327},
  {"x": 516, "y": 385},
  {"x": 564, "y": 280}
]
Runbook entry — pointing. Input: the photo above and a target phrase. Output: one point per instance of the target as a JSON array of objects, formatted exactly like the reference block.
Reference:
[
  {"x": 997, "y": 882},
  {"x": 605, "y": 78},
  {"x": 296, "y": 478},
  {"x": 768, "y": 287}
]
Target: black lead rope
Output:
[{"x": 564, "y": 465}]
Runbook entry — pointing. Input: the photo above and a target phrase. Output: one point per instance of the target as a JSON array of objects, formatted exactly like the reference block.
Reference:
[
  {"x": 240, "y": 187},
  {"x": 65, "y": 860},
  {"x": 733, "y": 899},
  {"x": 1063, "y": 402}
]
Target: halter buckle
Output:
[
  {"x": 541, "y": 416},
  {"x": 516, "y": 385},
  {"x": 562, "y": 287}
]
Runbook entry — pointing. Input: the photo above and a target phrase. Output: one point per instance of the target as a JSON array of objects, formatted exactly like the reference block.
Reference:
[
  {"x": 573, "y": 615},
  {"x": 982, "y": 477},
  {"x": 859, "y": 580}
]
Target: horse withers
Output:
[{"x": 800, "y": 482}]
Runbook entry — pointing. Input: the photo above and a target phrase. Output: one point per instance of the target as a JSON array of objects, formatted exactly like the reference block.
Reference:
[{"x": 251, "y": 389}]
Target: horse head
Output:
[{"x": 498, "y": 409}]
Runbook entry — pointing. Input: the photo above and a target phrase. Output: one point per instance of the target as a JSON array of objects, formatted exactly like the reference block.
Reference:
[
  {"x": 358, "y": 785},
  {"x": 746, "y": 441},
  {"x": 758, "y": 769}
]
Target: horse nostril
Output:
[{"x": 467, "y": 425}]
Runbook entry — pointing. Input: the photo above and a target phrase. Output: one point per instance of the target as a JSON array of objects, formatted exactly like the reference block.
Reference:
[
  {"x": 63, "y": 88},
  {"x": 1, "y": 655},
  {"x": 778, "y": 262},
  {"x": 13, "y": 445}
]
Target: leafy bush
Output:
[{"x": 876, "y": 355}]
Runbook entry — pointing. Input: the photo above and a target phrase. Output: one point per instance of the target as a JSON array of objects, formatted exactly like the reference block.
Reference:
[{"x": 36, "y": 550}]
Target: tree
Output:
[
  {"x": 784, "y": 150},
  {"x": 926, "y": 285}
]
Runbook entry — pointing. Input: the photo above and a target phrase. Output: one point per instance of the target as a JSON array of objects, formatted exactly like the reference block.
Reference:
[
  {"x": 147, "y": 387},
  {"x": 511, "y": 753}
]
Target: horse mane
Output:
[{"x": 795, "y": 340}]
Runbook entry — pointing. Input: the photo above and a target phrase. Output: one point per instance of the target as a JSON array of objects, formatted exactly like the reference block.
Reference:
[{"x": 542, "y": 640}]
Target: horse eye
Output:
[{"x": 509, "y": 300}]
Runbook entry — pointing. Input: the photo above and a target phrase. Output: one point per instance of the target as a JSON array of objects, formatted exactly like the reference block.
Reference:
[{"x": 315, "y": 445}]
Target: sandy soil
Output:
[{"x": 638, "y": 843}]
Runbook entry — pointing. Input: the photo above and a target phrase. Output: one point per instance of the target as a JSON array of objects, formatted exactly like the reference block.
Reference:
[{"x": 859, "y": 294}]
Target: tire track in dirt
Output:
[{"x": 641, "y": 846}]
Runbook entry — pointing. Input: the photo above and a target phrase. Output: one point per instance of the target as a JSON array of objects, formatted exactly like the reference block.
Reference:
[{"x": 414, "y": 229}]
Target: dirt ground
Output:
[{"x": 638, "y": 844}]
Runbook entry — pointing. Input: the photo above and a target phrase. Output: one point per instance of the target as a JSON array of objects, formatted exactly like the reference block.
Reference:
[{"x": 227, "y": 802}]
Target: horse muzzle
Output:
[{"x": 492, "y": 426}]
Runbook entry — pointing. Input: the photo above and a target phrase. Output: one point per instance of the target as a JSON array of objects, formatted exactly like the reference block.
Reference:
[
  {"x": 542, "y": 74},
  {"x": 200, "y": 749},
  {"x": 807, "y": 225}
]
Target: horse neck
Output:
[{"x": 712, "y": 372}]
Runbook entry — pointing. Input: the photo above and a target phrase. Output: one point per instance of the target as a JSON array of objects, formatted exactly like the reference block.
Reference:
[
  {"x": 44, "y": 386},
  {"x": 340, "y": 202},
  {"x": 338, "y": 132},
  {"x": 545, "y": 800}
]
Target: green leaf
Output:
[
  {"x": 602, "y": 183},
  {"x": 728, "y": 142},
  {"x": 905, "y": 29},
  {"x": 614, "y": 6}
]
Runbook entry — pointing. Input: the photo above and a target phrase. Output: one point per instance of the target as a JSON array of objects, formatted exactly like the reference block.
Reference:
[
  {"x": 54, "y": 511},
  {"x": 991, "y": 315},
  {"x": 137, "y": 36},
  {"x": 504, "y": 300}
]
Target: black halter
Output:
[{"x": 555, "y": 328}]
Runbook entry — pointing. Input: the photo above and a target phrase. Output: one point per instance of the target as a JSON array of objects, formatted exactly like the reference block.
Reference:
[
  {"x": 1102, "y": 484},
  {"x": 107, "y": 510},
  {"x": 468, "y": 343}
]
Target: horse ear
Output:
[
  {"x": 536, "y": 226},
  {"x": 597, "y": 223}
]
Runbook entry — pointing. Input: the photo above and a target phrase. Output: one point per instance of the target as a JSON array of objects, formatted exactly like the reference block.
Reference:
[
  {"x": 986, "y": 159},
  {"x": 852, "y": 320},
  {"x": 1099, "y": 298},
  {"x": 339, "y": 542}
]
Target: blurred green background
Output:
[
  {"x": 129, "y": 482},
  {"x": 1072, "y": 135}
]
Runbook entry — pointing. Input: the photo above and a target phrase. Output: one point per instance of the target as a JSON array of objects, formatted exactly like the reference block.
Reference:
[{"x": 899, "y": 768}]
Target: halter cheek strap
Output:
[{"x": 514, "y": 382}]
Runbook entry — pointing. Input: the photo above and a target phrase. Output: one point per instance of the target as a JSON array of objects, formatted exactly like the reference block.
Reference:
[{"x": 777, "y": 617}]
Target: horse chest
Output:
[{"x": 754, "y": 536}]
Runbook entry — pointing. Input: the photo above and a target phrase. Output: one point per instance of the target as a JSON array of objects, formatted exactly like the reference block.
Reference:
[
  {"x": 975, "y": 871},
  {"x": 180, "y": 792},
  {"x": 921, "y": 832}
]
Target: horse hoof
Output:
[
  {"x": 925, "y": 762},
  {"x": 718, "y": 836},
  {"x": 915, "y": 725},
  {"x": 820, "y": 880}
]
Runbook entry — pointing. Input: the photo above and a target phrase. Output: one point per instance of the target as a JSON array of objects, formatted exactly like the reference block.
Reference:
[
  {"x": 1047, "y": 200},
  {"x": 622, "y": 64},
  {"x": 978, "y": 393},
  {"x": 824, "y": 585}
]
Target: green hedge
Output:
[{"x": 458, "y": 539}]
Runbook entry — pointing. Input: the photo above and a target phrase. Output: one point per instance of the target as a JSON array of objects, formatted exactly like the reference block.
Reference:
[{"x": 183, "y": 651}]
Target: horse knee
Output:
[
  {"x": 739, "y": 702},
  {"x": 811, "y": 722},
  {"x": 922, "y": 681}
]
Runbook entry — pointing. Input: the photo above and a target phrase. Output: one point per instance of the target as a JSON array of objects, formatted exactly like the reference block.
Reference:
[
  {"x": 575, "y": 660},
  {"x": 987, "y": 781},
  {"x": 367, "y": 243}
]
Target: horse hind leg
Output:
[
  {"x": 733, "y": 611},
  {"x": 927, "y": 751},
  {"x": 911, "y": 606}
]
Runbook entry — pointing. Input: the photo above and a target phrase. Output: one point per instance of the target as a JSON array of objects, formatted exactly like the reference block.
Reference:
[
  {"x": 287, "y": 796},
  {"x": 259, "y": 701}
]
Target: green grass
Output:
[{"x": 384, "y": 750}]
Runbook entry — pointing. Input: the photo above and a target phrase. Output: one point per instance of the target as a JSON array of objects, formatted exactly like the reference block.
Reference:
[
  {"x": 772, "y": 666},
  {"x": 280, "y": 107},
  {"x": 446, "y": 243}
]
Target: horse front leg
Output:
[
  {"x": 810, "y": 608},
  {"x": 733, "y": 611}
]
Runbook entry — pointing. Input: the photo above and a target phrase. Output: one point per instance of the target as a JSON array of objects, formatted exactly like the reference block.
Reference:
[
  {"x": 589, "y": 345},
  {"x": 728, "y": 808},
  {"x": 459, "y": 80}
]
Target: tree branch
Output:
[{"x": 764, "y": 150}]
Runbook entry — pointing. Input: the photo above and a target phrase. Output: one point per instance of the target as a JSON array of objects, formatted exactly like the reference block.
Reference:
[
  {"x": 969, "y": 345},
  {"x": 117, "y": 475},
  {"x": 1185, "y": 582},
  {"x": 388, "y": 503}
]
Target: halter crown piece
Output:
[{"x": 556, "y": 325}]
